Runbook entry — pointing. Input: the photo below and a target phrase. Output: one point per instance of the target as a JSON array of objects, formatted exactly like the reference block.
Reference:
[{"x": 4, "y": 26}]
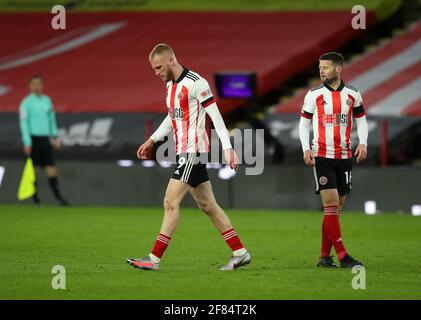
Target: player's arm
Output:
[
  {"x": 24, "y": 127},
  {"x": 222, "y": 132},
  {"x": 306, "y": 117},
  {"x": 206, "y": 99},
  {"x": 362, "y": 129},
  {"x": 164, "y": 128}
]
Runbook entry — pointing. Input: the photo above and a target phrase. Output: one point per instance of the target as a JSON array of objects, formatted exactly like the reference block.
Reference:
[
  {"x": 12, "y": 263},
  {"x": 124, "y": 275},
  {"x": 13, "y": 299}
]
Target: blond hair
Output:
[{"x": 159, "y": 49}]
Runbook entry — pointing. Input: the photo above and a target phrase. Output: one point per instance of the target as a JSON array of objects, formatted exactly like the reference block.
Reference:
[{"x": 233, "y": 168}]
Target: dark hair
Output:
[
  {"x": 335, "y": 57},
  {"x": 36, "y": 76}
]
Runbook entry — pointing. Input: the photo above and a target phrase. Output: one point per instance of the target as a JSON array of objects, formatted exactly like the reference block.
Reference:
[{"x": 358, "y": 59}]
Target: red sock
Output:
[
  {"x": 333, "y": 228},
  {"x": 232, "y": 239},
  {"x": 326, "y": 243},
  {"x": 160, "y": 245}
]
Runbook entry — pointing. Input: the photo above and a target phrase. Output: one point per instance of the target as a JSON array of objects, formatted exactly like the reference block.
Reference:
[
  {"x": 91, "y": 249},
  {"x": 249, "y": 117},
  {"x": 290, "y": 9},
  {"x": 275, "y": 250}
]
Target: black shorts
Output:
[
  {"x": 42, "y": 152},
  {"x": 190, "y": 170},
  {"x": 333, "y": 174}
]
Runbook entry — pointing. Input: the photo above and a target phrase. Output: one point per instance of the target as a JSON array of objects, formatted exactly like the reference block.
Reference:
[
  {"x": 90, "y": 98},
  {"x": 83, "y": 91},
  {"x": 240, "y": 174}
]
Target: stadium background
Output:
[{"x": 108, "y": 101}]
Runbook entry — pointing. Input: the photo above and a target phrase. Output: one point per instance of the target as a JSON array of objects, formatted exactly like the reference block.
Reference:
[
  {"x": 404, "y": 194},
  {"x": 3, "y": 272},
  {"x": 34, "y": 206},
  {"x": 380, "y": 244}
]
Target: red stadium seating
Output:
[
  {"x": 99, "y": 63},
  {"x": 389, "y": 78}
]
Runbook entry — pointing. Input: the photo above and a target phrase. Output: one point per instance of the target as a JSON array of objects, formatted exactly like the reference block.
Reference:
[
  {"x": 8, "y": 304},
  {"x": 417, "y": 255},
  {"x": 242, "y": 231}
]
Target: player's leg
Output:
[
  {"x": 175, "y": 193},
  {"x": 36, "y": 159},
  {"x": 176, "y": 190},
  {"x": 331, "y": 204},
  {"x": 325, "y": 180},
  {"x": 344, "y": 180},
  {"x": 342, "y": 200},
  {"x": 330, "y": 200},
  {"x": 334, "y": 178},
  {"x": 35, "y": 197},
  {"x": 205, "y": 199},
  {"x": 335, "y": 188},
  {"x": 52, "y": 172},
  {"x": 52, "y": 175}
]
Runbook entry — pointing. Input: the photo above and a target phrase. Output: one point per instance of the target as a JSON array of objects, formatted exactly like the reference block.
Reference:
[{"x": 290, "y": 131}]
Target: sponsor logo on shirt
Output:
[
  {"x": 335, "y": 120},
  {"x": 176, "y": 113}
]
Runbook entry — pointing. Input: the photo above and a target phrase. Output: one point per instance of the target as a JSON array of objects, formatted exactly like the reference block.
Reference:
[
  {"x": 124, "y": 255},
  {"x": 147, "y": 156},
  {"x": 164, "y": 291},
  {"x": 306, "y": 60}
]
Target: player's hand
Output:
[
  {"x": 361, "y": 152},
  {"x": 56, "y": 143},
  {"x": 27, "y": 150},
  {"x": 231, "y": 159},
  {"x": 309, "y": 158},
  {"x": 145, "y": 149}
]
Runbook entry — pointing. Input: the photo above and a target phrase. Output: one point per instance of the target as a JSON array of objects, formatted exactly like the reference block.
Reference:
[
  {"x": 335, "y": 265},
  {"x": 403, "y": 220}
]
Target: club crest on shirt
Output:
[
  {"x": 180, "y": 96},
  {"x": 349, "y": 102},
  {"x": 323, "y": 180}
]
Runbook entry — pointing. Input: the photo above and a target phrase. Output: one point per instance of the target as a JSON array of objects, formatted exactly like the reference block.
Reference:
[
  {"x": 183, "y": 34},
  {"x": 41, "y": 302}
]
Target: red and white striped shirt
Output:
[
  {"x": 331, "y": 112},
  {"x": 187, "y": 98}
]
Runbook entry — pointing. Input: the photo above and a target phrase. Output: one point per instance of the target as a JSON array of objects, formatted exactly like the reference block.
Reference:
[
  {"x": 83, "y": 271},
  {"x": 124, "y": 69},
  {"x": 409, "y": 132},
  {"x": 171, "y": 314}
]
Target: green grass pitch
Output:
[{"x": 92, "y": 244}]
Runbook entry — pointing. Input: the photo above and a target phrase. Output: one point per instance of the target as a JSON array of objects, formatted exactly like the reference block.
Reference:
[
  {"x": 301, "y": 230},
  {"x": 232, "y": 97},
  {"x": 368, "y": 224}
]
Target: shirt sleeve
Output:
[
  {"x": 52, "y": 120},
  {"x": 203, "y": 93},
  {"x": 219, "y": 125},
  {"x": 163, "y": 129},
  {"x": 24, "y": 123},
  {"x": 358, "y": 109},
  {"x": 304, "y": 133},
  {"x": 362, "y": 129},
  {"x": 308, "y": 107}
]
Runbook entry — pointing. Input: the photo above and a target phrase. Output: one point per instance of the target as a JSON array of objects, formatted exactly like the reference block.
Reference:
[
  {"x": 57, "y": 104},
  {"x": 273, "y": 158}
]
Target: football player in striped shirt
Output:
[
  {"x": 189, "y": 99},
  {"x": 331, "y": 108}
]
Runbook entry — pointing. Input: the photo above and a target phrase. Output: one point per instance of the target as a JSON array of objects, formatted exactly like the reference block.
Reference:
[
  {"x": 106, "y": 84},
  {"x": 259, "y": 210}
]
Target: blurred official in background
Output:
[{"x": 38, "y": 125}]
